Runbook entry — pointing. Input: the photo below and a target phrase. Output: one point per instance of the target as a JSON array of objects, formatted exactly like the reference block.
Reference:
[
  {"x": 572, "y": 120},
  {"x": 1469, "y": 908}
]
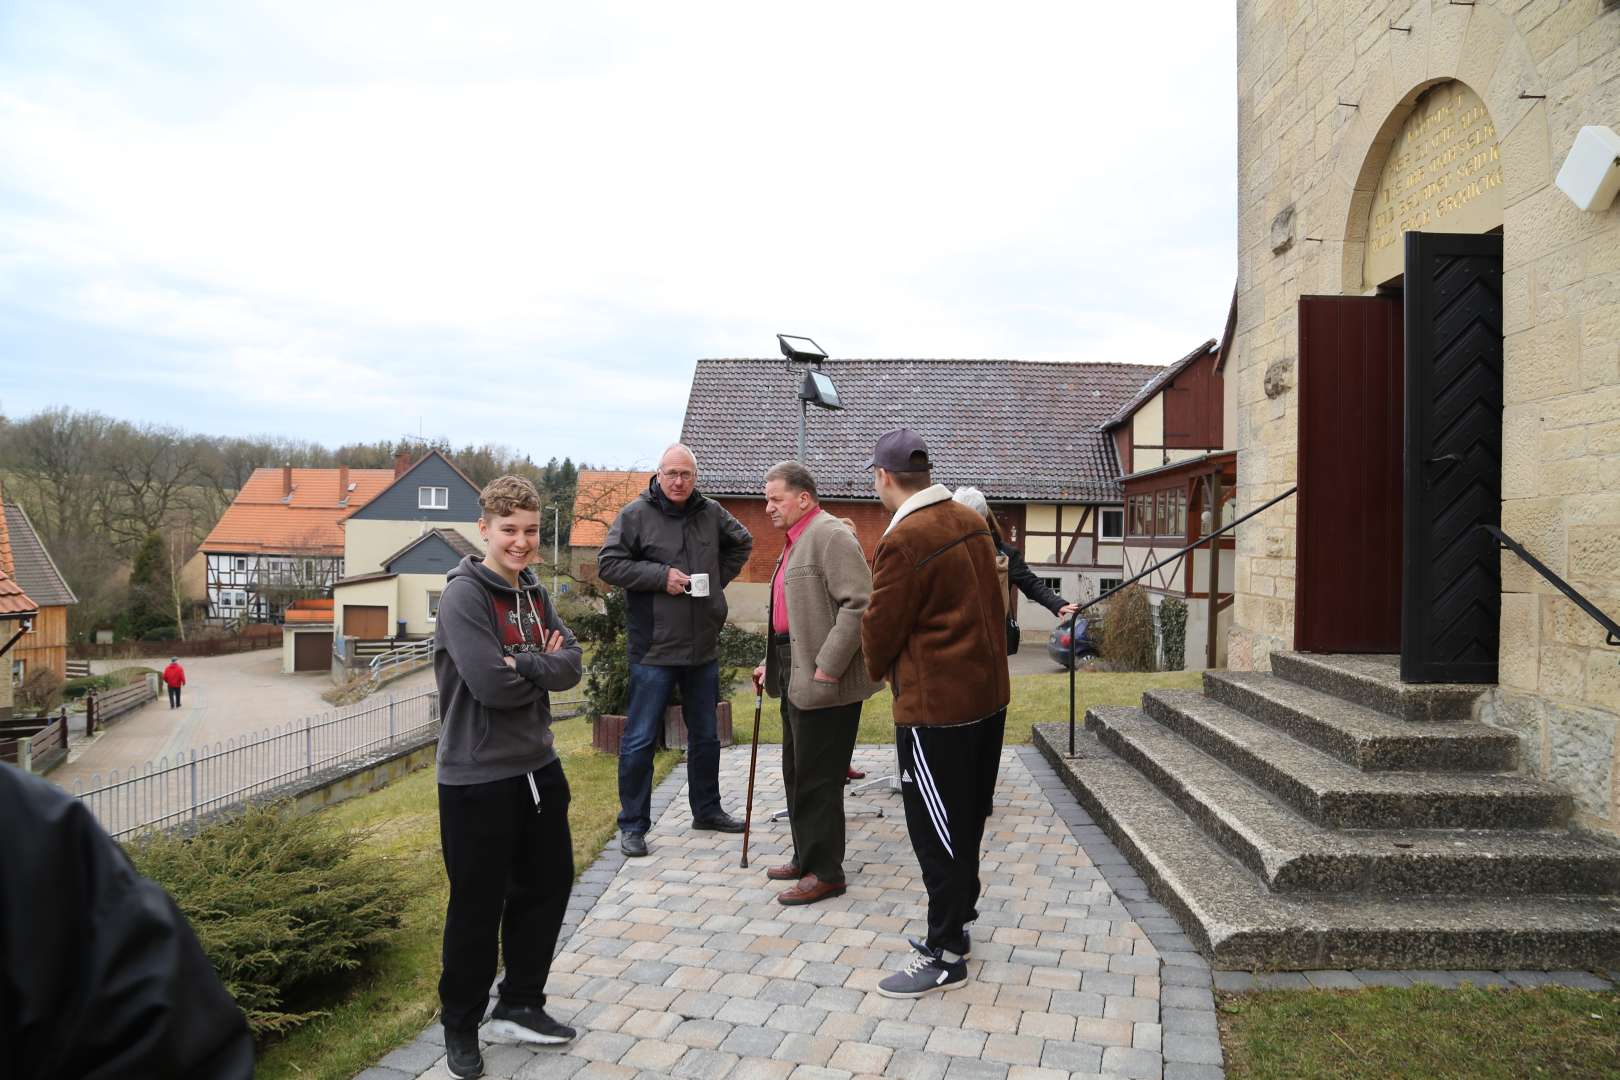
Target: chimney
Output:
[
  {"x": 402, "y": 464},
  {"x": 286, "y": 479},
  {"x": 343, "y": 482}
]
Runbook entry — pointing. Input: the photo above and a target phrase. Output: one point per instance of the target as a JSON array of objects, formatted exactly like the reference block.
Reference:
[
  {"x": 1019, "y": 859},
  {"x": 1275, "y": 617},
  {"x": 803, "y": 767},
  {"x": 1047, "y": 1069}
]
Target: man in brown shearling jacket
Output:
[{"x": 935, "y": 628}]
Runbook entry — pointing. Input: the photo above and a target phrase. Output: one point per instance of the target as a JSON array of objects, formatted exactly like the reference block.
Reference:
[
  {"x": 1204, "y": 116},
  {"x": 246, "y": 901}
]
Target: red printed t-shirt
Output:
[
  {"x": 779, "y": 620},
  {"x": 506, "y": 616}
]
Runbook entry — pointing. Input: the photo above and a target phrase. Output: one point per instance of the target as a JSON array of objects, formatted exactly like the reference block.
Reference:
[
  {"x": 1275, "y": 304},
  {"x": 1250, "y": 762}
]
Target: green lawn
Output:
[
  {"x": 398, "y": 996},
  {"x": 1035, "y": 699},
  {"x": 1421, "y": 1032}
]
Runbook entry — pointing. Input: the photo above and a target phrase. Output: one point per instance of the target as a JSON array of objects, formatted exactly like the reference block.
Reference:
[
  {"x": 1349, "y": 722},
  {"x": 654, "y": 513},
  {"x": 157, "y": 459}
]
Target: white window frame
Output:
[
  {"x": 433, "y": 597},
  {"x": 1102, "y": 529},
  {"x": 432, "y": 498},
  {"x": 1104, "y": 584},
  {"x": 240, "y": 564},
  {"x": 19, "y": 672}
]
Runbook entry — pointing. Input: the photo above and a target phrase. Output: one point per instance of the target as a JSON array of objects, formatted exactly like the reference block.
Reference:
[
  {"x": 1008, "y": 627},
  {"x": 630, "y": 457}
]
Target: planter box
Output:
[{"x": 607, "y": 730}]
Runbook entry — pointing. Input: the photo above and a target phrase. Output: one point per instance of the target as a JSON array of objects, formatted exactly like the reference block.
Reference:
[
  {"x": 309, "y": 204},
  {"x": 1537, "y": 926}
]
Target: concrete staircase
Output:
[{"x": 1328, "y": 815}]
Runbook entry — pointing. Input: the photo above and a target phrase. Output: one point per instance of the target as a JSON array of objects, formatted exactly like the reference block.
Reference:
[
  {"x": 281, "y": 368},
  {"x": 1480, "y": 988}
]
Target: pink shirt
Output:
[{"x": 779, "y": 620}]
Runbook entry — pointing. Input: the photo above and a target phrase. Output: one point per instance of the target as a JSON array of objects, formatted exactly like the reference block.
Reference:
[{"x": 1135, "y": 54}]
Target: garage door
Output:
[
  {"x": 367, "y": 622},
  {"x": 312, "y": 652}
]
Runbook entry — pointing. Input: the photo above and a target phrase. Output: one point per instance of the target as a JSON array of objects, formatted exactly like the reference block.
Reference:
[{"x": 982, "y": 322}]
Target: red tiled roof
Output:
[
  {"x": 1020, "y": 430},
  {"x": 600, "y": 496},
  {"x": 264, "y": 519},
  {"x": 7, "y": 565},
  {"x": 13, "y": 601}
]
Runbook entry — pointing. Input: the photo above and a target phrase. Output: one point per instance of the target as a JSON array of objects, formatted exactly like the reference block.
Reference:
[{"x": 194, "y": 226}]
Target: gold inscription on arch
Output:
[{"x": 1443, "y": 174}]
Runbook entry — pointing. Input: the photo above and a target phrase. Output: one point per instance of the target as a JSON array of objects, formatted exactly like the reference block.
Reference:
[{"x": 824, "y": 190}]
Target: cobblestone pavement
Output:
[{"x": 683, "y": 965}]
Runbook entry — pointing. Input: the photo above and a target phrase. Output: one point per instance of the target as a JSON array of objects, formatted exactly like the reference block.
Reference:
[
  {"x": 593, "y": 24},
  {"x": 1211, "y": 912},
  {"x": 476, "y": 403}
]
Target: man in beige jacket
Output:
[{"x": 813, "y": 664}]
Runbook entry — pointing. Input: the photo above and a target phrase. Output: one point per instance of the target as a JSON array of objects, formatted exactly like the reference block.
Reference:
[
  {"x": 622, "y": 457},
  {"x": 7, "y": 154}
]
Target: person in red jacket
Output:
[{"x": 174, "y": 677}]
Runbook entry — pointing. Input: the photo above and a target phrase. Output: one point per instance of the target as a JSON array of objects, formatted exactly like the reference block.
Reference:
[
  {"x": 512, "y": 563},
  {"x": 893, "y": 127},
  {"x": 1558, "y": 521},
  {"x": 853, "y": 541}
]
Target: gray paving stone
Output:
[
  {"x": 974, "y": 1069},
  {"x": 917, "y": 1065},
  {"x": 787, "y": 992},
  {"x": 900, "y": 1035},
  {"x": 752, "y": 1041},
  {"x": 1186, "y": 997},
  {"x": 1183, "y": 1070},
  {"x": 1197, "y": 1049},
  {"x": 551, "y": 1067},
  {"x": 705, "y": 1065},
  {"x": 378, "y": 1072},
  {"x": 1282, "y": 980},
  {"x": 1333, "y": 980},
  {"x": 503, "y": 1061},
  {"x": 1137, "y": 1064},
  {"x": 413, "y": 1058},
  {"x": 800, "y": 1019},
  {"x": 1071, "y": 1057},
  {"x": 1380, "y": 978},
  {"x": 1189, "y": 1021}
]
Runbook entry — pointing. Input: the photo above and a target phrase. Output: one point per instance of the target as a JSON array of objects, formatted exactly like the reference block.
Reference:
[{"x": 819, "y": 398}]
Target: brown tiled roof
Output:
[
  {"x": 1017, "y": 430},
  {"x": 600, "y": 496},
  {"x": 458, "y": 544},
  {"x": 1155, "y": 384},
  {"x": 262, "y": 519},
  {"x": 32, "y": 566},
  {"x": 13, "y": 601}
]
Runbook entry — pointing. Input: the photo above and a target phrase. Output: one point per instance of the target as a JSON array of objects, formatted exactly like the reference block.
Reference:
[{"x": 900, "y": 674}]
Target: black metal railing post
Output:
[{"x": 1155, "y": 568}]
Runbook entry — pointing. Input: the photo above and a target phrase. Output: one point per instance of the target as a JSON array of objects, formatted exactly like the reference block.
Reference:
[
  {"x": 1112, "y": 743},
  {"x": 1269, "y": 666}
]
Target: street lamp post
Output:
[
  {"x": 817, "y": 389},
  {"x": 555, "y": 529}
]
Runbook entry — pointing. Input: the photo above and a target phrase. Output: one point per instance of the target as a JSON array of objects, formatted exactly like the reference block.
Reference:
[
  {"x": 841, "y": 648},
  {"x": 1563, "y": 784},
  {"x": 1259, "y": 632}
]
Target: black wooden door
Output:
[
  {"x": 1348, "y": 546},
  {"x": 1452, "y": 596}
]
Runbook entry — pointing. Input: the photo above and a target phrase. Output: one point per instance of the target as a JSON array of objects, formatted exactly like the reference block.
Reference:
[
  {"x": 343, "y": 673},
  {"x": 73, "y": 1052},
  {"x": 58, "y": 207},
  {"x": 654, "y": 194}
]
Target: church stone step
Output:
[
  {"x": 1359, "y": 735},
  {"x": 1239, "y": 924},
  {"x": 1292, "y": 854},
  {"x": 1375, "y": 681},
  {"x": 1340, "y": 796}
]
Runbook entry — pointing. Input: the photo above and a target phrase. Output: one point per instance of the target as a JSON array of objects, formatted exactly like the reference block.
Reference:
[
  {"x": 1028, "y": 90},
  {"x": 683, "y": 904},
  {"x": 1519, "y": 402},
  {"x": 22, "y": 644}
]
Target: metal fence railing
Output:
[{"x": 166, "y": 793}]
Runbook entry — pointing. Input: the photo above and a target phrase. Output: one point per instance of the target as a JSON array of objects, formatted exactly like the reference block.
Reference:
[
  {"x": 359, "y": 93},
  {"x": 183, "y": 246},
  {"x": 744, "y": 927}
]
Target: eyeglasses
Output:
[{"x": 677, "y": 474}]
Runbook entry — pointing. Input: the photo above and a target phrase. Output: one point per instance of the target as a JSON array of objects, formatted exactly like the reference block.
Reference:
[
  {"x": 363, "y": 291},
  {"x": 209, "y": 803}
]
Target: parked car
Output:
[{"x": 1062, "y": 647}]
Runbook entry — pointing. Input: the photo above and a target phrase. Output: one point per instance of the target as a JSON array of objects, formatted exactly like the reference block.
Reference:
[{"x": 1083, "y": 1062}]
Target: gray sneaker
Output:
[{"x": 927, "y": 972}]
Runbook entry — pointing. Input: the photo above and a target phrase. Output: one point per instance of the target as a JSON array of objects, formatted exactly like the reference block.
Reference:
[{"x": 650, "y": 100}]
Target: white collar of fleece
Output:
[{"x": 928, "y": 496}]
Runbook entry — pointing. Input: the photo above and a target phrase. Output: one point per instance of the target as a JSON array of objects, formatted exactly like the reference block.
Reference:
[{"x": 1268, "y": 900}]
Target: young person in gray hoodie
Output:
[{"x": 500, "y": 648}]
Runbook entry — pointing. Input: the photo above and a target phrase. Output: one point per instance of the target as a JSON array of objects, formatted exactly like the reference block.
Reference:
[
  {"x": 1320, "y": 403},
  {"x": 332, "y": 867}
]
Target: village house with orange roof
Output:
[
  {"x": 598, "y": 498},
  {"x": 281, "y": 537},
  {"x": 18, "y": 614}
]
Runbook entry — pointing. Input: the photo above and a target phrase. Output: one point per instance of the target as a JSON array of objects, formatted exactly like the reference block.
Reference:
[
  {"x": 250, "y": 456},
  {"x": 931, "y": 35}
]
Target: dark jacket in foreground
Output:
[
  {"x": 649, "y": 536},
  {"x": 936, "y": 625},
  {"x": 100, "y": 976},
  {"x": 494, "y": 720}
]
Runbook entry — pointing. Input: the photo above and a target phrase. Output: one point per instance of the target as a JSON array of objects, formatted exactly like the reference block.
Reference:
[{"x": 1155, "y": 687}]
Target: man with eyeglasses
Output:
[{"x": 673, "y": 552}]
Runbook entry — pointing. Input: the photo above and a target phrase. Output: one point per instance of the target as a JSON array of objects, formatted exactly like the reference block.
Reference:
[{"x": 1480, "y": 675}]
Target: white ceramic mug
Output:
[{"x": 697, "y": 585}]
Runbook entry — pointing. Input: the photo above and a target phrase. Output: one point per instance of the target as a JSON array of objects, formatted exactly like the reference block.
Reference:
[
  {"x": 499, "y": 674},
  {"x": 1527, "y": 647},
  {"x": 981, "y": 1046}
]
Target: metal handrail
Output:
[
  {"x": 1507, "y": 543},
  {"x": 415, "y": 652},
  {"x": 1161, "y": 564}
]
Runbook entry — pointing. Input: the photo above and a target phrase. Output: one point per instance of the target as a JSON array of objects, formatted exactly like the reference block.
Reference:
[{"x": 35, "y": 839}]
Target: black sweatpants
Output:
[
  {"x": 947, "y": 782},
  {"x": 174, "y": 697},
  {"x": 511, "y": 867}
]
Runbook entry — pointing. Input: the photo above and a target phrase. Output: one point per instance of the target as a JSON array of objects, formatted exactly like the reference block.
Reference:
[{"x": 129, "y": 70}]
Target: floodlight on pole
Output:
[{"x": 817, "y": 388}]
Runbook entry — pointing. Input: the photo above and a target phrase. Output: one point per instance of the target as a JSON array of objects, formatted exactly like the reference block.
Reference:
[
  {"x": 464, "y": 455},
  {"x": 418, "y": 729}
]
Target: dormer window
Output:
[{"x": 433, "y": 498}]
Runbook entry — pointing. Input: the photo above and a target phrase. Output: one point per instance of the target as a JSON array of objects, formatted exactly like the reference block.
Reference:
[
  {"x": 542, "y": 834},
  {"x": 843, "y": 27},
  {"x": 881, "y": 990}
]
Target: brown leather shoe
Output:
[
  {"x": 810, "y": 889},
  {"x": 785, "y": 872}
]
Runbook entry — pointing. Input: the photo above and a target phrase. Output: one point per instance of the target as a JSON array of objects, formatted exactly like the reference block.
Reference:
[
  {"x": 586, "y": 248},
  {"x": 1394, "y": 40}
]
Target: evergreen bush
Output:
[
  {"x": 280, "y": 902},
  {"x": 1173, "y": 633}
]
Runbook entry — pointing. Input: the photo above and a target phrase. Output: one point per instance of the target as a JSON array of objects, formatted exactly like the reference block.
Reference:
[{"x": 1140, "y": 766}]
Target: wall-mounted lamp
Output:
[{"x": 1591, "y": 173}]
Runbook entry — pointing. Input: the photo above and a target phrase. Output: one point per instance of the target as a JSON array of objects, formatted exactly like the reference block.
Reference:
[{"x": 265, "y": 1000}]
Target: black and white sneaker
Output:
[
  {"x": 927, "y": 972},
  {"x": 525, "y": 1023},
  {"x": 461, "y": 1054}
]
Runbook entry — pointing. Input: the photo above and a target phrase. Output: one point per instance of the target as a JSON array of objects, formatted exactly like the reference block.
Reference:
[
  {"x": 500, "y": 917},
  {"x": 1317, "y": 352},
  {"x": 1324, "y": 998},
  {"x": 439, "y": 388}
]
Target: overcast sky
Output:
[{"x": 340, "y": 221}]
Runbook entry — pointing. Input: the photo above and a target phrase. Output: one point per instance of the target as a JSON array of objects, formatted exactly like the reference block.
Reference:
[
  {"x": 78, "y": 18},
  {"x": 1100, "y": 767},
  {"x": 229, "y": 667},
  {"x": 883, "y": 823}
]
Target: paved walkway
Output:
[{"x": 683, "y": 965}]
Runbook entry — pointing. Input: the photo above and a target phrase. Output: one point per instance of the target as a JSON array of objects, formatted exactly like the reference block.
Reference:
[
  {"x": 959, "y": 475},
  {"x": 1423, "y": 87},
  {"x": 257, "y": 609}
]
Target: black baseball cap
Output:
[{"x": 900, "y": 450}]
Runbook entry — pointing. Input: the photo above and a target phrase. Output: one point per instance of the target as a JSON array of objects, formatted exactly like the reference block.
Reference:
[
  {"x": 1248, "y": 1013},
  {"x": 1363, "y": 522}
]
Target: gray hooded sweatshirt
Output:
[{"x": 495, "y": 720}]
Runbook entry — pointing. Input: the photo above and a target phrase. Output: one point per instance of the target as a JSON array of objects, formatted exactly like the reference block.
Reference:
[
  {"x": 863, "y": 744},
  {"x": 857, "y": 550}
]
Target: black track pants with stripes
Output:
[{"x": 943, "y": 781}]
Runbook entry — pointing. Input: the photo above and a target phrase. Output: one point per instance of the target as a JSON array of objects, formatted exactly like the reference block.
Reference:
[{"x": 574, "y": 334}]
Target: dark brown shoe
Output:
[
  {"x": 853, "y": 773},
  {"x": 810, "y": 889},
  {"x": 785, "y": 872}
]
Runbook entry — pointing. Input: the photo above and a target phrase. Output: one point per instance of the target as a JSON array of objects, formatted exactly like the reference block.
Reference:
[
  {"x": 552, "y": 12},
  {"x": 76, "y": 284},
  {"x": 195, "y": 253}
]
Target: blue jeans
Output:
[{"x": 650, "y": 686}]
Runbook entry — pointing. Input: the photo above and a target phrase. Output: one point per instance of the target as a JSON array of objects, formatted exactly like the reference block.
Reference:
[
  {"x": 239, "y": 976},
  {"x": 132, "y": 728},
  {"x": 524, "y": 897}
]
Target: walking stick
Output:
[{"x": 753, "y": 760}]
